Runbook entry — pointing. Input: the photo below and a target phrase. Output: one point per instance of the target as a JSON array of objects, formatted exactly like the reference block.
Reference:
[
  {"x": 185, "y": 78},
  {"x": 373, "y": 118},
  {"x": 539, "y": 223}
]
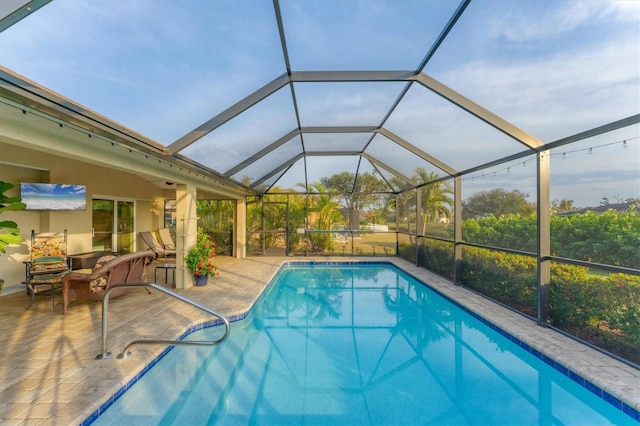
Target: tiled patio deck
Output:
[{"x": 49, "y": 374}]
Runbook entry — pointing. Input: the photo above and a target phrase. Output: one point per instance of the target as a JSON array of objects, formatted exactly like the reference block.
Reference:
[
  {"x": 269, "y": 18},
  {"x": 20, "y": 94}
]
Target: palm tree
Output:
[
  {"x": 405, "y": 204},
  {"x": 325, "y": 210},
  {"x": 437, "y": 201}
]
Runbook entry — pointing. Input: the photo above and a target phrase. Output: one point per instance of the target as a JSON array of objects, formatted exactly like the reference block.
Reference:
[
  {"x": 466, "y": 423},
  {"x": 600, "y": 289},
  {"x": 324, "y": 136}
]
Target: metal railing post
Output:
[
  {"x": 105, "y": 329},
  {"x": 104, "y": 354}
]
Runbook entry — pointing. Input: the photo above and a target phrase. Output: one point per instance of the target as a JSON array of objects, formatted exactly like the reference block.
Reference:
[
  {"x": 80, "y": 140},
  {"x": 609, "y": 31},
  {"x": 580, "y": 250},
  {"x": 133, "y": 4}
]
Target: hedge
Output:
[
  {"x": 610, "y": 238},
  {"x": 601, "y": 309}
]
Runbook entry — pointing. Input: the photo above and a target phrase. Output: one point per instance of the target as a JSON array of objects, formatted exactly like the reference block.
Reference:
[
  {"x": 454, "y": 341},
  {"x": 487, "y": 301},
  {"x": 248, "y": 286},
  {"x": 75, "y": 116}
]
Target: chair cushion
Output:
[
  {"x": 47, "y": 255},
  {"x": 48, "y": 248},
  {"x": 47, "y": 278},
  {"x": 100, "y": 283},
  {"x": 48, "y": 263},
  {"x": 102, "y": 260}
]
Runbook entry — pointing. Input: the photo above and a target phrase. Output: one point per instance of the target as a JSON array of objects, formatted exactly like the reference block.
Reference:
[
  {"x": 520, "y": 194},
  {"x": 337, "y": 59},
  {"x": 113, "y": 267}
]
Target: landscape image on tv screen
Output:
[{"x": 53, "y": 196}]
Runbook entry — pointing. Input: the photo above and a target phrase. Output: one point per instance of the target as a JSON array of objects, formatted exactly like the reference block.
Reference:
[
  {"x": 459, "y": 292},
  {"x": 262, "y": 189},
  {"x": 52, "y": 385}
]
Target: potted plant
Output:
[
  {"x": 9, "y": 232},
  {"x": 199, "y": 258}
]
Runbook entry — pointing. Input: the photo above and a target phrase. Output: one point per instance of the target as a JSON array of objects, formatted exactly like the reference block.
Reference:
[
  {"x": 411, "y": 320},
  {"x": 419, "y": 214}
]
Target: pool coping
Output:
[{"x": 615, "y": 398}]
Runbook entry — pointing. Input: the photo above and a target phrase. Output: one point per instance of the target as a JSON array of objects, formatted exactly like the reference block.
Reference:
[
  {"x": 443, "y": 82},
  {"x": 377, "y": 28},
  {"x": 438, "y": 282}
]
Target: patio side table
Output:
[{"x": 167, "y": 267}]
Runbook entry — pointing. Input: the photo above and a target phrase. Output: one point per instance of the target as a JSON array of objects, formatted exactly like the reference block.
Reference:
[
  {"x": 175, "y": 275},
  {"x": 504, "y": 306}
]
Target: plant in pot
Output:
[
  {"x": 199, "y": 258},
  {"x": 9, "y": 232}
]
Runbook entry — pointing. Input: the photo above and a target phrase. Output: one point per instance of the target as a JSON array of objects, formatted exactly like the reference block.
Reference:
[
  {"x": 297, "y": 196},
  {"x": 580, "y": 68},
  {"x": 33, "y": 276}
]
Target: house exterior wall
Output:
[
  {"x": 26, "y": 166},
  {"x": 38, "y": 148}
]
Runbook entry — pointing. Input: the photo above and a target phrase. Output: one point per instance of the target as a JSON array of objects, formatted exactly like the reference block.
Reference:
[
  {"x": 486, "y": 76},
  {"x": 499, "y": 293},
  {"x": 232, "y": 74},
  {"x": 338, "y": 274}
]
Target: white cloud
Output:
[
  {"x": 560, "y": 17},
  {"x": 558, "y": 95}
]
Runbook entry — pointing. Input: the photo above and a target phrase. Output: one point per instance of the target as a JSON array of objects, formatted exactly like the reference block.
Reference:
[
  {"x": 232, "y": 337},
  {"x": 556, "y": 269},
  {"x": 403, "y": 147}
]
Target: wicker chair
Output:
[
  {"x": 108, "y": 271},
  {"x": 47, "y": 265}
]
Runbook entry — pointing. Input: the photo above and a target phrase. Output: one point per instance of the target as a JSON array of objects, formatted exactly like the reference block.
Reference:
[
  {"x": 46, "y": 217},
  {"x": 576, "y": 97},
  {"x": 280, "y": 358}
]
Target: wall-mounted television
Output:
[{"x": 53, "y": 196}]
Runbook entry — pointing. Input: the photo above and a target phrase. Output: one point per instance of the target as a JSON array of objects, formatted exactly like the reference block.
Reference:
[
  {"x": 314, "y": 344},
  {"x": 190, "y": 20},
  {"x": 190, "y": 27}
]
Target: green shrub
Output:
[
  {"x": 407, "y": 252},
  {"x": 610, "y": 238},
  {"x": 601, "y": 309},
  {"x": 596, "y": 304},
  {"x": 511, "y": 231},
  {"x": 436, "y": 256},
  {"x": 507, "y": 278}
]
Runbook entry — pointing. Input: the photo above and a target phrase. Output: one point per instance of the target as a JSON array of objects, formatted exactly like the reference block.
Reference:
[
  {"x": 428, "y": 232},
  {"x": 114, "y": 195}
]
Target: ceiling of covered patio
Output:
[{"x": 276, "y": 95}]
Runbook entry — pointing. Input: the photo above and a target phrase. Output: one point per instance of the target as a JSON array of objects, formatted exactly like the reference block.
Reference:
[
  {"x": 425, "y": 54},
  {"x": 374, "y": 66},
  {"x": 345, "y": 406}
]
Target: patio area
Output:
[{"x": 49, "y": 374}]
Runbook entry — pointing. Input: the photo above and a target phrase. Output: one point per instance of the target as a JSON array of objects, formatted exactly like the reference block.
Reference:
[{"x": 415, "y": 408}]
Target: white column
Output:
[
  {"x": 240, "y": 229},
  {"x": 186, "y": 231}
]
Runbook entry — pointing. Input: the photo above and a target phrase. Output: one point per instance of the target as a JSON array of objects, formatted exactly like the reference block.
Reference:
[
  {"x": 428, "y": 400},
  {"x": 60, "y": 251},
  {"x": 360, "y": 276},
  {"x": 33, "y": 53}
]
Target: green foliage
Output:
[
  {"x": 215, "y": 215},
  {"x": 608, "y": 306},
  {"x": 407, "y": 248},
  {"x": 510, "y": 231},
  {"x": 610, "y": 238},
  {"x": 599, "y": 308},
  {"x": 406, "y": 211},
  {"x": 254, "y": 223},
  {"x": 199, "y": 258},
  {"x": 507, "y": 278},
  {"x": 341, "y": 183},
  {"x": 9, "y": 232},
  {"x": 436, "y": 256},
  {"x": 323, "y": 211},
  {"x": 497, "y": 202},
  {"x": 436, "y": 199},
  {"x": 562, "y": 206},
  {"x": 358, "y": 192},
  {"x": 604, "y": 310}
]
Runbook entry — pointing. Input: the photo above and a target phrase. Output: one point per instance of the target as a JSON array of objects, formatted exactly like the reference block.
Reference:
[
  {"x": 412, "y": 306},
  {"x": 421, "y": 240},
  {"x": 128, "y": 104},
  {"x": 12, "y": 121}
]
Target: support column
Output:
[
  {"x": 397, "y": 227},
  {"x": 240, "y": 229},
  {"x": 186, "y": 231},
  {"x": 544, "y": 237},
  {"x": 419, "y": 224},
  {"x": 457, "y": 231}
]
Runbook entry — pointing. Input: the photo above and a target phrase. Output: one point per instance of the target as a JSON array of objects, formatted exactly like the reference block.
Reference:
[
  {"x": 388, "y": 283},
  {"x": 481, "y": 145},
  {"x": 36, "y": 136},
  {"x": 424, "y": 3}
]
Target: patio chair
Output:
[
  {"x": 108, "y": 271},
  {"x": 165, "y": 239},
  {"x": 47, "y": 265},
  {"x": 150, "y": 240}
]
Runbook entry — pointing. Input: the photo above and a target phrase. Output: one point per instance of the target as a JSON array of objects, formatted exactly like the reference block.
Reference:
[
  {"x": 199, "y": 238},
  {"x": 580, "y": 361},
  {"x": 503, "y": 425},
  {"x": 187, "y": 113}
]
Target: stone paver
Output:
[{"x": 49, "y": 374}]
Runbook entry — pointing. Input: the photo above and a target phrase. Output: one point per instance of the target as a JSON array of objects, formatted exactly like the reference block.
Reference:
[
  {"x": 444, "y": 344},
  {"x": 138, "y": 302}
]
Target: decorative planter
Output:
[{"x": 200, "y": 280}]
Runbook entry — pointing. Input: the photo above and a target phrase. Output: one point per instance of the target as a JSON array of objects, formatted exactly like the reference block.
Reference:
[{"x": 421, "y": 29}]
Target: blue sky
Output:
[{"x": 553, "y": 68}]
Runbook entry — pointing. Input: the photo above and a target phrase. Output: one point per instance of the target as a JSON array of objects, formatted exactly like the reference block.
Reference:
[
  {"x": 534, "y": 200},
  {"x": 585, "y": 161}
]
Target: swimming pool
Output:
[{"x": 357, "y": 344}]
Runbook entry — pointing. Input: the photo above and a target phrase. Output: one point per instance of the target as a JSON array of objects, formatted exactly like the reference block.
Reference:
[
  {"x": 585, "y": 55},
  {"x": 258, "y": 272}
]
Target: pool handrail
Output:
[{"x": 105, "y": 308}]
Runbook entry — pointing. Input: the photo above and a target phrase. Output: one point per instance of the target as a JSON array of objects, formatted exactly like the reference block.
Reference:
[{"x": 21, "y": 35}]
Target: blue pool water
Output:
[{"x": 357, "y": 344}]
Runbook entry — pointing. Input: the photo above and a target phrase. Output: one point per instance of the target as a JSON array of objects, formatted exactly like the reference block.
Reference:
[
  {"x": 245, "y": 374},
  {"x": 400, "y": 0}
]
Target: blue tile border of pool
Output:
[
  {"x": 94, "y": 416},
  {"x": 606, "y": 396}
]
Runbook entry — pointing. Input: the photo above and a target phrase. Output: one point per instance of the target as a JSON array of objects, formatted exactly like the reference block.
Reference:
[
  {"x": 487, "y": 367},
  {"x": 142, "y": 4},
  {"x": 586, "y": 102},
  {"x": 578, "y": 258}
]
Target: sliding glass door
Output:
[
  {"x": 124, "y": 225},
  {"x": 113, "y": 225}
]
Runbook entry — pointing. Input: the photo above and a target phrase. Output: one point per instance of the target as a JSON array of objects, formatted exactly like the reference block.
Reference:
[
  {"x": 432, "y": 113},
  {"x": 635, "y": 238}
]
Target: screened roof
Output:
[{"x": 278, "y": 94}]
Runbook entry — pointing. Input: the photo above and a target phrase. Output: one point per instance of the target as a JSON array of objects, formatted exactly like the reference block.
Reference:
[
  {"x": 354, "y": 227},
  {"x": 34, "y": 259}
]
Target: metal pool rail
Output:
[{"x": 105, "y": 309}]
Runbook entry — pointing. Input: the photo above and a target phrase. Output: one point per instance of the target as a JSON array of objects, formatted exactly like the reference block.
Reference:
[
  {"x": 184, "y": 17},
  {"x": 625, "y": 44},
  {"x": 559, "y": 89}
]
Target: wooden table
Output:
[{"x": 87, "y": 260}]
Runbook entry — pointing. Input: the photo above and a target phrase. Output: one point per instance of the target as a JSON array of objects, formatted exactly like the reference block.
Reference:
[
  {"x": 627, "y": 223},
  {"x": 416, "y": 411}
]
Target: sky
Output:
[{"x": 552, "y": 68}]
